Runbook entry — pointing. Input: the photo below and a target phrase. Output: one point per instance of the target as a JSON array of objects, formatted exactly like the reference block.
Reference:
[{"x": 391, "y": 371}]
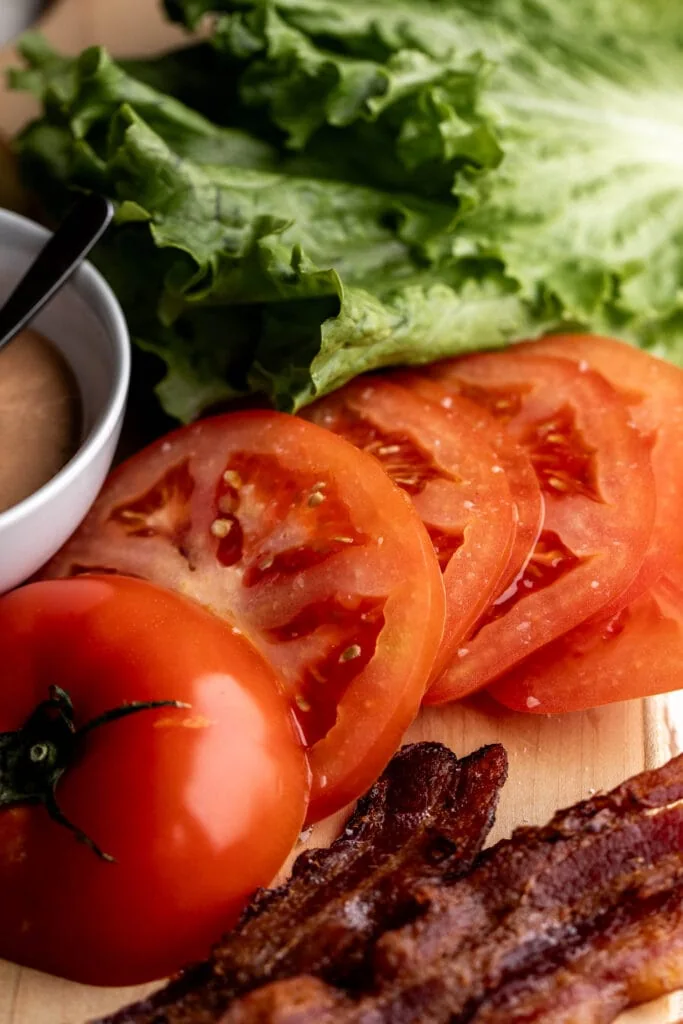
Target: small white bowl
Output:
[{"x": 85, "y": 322}]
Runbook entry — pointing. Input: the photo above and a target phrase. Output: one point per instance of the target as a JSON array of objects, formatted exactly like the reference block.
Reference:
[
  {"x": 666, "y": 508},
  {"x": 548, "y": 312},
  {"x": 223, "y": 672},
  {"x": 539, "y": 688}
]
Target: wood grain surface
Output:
[{"x": 553, "y": 761}]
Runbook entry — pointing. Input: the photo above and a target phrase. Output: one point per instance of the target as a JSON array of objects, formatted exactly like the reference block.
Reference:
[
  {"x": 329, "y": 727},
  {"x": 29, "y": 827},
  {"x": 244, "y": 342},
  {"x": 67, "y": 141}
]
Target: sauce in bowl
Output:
[{"x": 40, "y": 416}]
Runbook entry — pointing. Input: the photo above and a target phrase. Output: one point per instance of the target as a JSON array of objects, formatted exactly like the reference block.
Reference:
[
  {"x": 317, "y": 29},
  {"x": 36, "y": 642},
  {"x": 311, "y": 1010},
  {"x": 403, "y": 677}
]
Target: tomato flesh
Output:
[
  {"x": 199, "y": 805},
  {"x": 519, "y": 472},
  {"x": 301, "y": 542},
  {"x": 453, "y": 478},
  {"x": 636, "y": 652},
  {"x": 590, "y": 462},
  {"x": 633, "y": 647},
  {"x": 653, "y": 391}
]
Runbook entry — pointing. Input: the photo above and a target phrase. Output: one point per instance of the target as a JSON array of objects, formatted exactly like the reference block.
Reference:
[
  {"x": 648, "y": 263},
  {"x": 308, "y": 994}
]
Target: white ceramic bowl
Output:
[
  {"x": 85, "y": 322},
  {"x": 16, "y": 15}
]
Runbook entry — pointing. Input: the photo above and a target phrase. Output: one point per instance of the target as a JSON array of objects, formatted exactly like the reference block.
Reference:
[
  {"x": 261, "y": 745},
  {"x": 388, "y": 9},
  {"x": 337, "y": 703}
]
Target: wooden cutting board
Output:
[{"x": 553, "y": 761}]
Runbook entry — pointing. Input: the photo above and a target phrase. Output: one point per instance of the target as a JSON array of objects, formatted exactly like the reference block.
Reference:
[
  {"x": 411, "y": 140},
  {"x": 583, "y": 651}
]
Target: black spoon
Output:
[{"x": 63, "y": 253}]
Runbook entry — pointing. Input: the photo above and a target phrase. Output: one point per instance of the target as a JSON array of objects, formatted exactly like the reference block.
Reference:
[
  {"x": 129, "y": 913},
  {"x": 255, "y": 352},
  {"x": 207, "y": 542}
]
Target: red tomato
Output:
[
  {"x": 517, "y": 466},
  {"x": 594, "y": 470},
  {"x": 636, "y": 652},
  {"x": 197, "y": 804},
  {"x": 653, "y": 391},
  {"x": 305, "y": 545},
  {"x": 453, "y": 479}
]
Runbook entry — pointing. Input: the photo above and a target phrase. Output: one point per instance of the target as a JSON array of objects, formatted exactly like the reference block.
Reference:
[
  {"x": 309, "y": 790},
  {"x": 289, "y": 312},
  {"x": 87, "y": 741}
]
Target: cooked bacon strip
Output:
[
  {"x": 424, "y": 822},
  {"x": 637, "y": 958},
  {"x": 570, "y": 923},
  {"x": 300, "y": 1000}
]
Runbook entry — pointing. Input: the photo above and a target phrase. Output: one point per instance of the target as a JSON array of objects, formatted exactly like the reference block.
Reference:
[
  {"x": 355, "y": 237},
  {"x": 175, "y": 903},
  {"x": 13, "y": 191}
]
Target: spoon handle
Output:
[{"x": 82, "y": 227}]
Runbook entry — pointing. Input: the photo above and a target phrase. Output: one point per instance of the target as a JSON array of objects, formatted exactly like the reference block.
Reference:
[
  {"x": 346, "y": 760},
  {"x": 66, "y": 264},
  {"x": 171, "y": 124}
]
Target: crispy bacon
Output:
[
  {"x": 422, "y": 824},
  {"x": 569, "y": 924}
]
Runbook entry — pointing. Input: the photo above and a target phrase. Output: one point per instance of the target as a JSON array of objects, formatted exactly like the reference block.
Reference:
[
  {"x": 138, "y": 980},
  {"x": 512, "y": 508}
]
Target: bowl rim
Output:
[{"x": 86, "y": 279}]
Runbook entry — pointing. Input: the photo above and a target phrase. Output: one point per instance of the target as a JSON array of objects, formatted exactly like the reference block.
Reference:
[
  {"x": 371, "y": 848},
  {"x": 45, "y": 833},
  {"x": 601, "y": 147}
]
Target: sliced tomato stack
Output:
[
  {"x": 590, "y": 460},
  {"x": 588, "y": 435},
  {"x": 303, "y": 543},
  {"x": 634, "y": 647},
  {"x": 631, "y": 644}
]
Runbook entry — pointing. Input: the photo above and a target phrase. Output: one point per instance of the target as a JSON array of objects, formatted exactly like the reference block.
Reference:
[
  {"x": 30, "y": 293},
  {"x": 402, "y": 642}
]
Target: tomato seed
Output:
[
  {"x": 221, "y": 528},
  {"x": 232, "y": 478},
  {"x": 350, "y": 653}
]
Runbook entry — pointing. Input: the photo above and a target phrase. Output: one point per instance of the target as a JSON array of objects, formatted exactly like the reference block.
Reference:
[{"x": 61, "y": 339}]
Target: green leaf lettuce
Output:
[{"x": 356, "y": 185}]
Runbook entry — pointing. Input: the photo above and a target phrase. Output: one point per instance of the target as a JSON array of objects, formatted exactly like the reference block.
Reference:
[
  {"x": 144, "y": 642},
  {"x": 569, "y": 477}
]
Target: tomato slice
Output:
[
  {"x": 635, "y": 648},
  {"x": 594, "y": 469},
  {"x": 304, "y": 544},
  {"x": 636, "y": 652},
  {"x": 454, "y": 480},
  {"x": 653, "y": 391},
  {"x": 517, "y": 466}
]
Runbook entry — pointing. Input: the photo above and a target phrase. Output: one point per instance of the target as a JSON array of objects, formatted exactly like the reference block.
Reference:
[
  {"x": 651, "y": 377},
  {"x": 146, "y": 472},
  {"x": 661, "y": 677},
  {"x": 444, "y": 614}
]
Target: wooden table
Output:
[{"x": 553, "y": 761}]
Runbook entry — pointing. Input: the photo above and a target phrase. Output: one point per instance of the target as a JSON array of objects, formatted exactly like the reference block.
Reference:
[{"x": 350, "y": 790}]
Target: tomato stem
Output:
[{"x": 34, "y": 758}]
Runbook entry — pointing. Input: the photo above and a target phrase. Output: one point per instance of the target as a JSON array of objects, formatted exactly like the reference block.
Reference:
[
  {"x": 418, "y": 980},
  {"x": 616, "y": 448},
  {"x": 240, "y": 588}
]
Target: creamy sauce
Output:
[{"x": 40, "y": 416}]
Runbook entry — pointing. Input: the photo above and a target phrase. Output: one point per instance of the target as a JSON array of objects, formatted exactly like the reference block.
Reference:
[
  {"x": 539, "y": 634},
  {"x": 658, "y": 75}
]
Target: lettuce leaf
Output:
[
  {"x": 583, "y": 100},
  {"x": 241, "y": 275},
  {"x": 586, "y": 99},
  {"x": 333, "y": 185}
]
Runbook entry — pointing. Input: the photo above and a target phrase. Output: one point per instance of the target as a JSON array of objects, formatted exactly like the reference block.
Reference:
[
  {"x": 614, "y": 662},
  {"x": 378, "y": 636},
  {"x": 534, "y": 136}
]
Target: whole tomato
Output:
[{"x": 151, "y": 778}]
